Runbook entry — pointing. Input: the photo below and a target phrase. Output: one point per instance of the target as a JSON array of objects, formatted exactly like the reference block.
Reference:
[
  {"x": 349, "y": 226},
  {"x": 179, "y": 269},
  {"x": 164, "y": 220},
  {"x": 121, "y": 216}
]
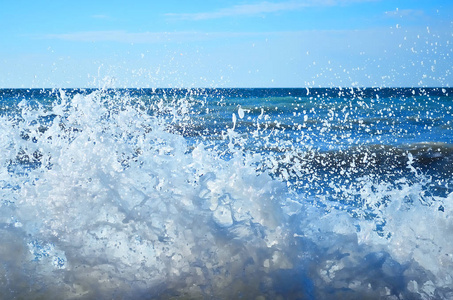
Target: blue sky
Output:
[{"x": 226, "y": 43}]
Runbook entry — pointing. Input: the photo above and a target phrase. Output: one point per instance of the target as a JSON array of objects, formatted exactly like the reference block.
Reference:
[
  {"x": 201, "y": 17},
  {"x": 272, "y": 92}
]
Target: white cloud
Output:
[
  {"x": 240, "y": 10},
  {"x": 146, "y": 37},
  {"x": 260, "y": 8},
  {"x": 100, "y": 16},
  {"x": 107, "y": 36},
  {"x": 400, "y": 13}
]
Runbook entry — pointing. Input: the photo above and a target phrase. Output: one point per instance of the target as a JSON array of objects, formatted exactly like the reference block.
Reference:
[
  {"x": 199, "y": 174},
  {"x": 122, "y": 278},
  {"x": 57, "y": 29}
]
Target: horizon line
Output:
[{"x": 223, "y": 88}]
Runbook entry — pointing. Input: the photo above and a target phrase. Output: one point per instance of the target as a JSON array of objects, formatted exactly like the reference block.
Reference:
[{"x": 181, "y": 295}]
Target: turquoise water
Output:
[{"x": 226, "y": 193}]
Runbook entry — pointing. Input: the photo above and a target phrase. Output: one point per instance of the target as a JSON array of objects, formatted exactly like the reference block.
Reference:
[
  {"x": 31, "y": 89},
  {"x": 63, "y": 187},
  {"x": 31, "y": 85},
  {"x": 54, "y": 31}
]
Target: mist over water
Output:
[{"x": 226, "y": 194}]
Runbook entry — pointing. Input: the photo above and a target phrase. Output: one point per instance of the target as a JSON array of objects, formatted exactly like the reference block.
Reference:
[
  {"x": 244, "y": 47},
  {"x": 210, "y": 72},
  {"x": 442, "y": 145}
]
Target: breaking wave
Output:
[{"x": 115, "y": 195}]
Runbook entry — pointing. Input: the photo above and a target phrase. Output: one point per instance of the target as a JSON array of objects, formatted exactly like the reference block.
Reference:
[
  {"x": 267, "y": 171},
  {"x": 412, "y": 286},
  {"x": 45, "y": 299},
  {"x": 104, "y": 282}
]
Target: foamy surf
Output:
[{"x": 113, "y": 195}]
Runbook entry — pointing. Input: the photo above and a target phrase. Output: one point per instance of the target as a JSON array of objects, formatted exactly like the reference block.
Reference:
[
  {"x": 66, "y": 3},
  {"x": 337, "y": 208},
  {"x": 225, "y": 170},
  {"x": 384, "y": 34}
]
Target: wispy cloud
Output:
[
  {"x": 241, "y": 10},
  {"x": 121, "y": 36},
  {"x": 260, "y": 8},
  {"x": 101, "y": 16},
  {"x": 400, "y": 13}
]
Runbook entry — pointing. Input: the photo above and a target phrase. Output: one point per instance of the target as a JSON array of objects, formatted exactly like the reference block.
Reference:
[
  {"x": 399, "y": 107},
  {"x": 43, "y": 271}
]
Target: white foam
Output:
[
  {"x": 119, "y": 201},
  {"x": 116, "y": 205}
]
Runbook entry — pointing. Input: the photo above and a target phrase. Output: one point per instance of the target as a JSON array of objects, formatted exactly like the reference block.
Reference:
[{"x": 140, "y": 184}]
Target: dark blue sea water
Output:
[{"x": 226, "y": 194}]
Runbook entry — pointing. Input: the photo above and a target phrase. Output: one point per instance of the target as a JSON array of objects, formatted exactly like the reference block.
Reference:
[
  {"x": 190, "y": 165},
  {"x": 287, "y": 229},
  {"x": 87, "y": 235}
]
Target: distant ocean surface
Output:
[{"x": 226, "y": 193}]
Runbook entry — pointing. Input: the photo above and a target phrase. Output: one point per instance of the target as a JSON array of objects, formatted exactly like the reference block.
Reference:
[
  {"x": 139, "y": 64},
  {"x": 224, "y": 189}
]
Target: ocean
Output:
[{"x": 342, "y": 193}]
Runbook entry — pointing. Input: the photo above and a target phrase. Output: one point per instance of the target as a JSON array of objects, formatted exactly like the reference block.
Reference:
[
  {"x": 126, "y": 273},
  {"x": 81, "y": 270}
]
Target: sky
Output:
[{"x": 226, "y": 43}]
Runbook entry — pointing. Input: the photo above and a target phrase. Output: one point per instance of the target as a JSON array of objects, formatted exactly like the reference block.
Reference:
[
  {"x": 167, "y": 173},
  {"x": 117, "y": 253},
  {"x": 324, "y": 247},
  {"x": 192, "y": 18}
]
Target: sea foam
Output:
[{"x": 103, "y": 197}]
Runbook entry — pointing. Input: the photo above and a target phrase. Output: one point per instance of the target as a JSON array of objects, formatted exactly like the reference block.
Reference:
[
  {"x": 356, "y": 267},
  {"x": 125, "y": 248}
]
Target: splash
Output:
[{"x": 113, "y": 195}]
